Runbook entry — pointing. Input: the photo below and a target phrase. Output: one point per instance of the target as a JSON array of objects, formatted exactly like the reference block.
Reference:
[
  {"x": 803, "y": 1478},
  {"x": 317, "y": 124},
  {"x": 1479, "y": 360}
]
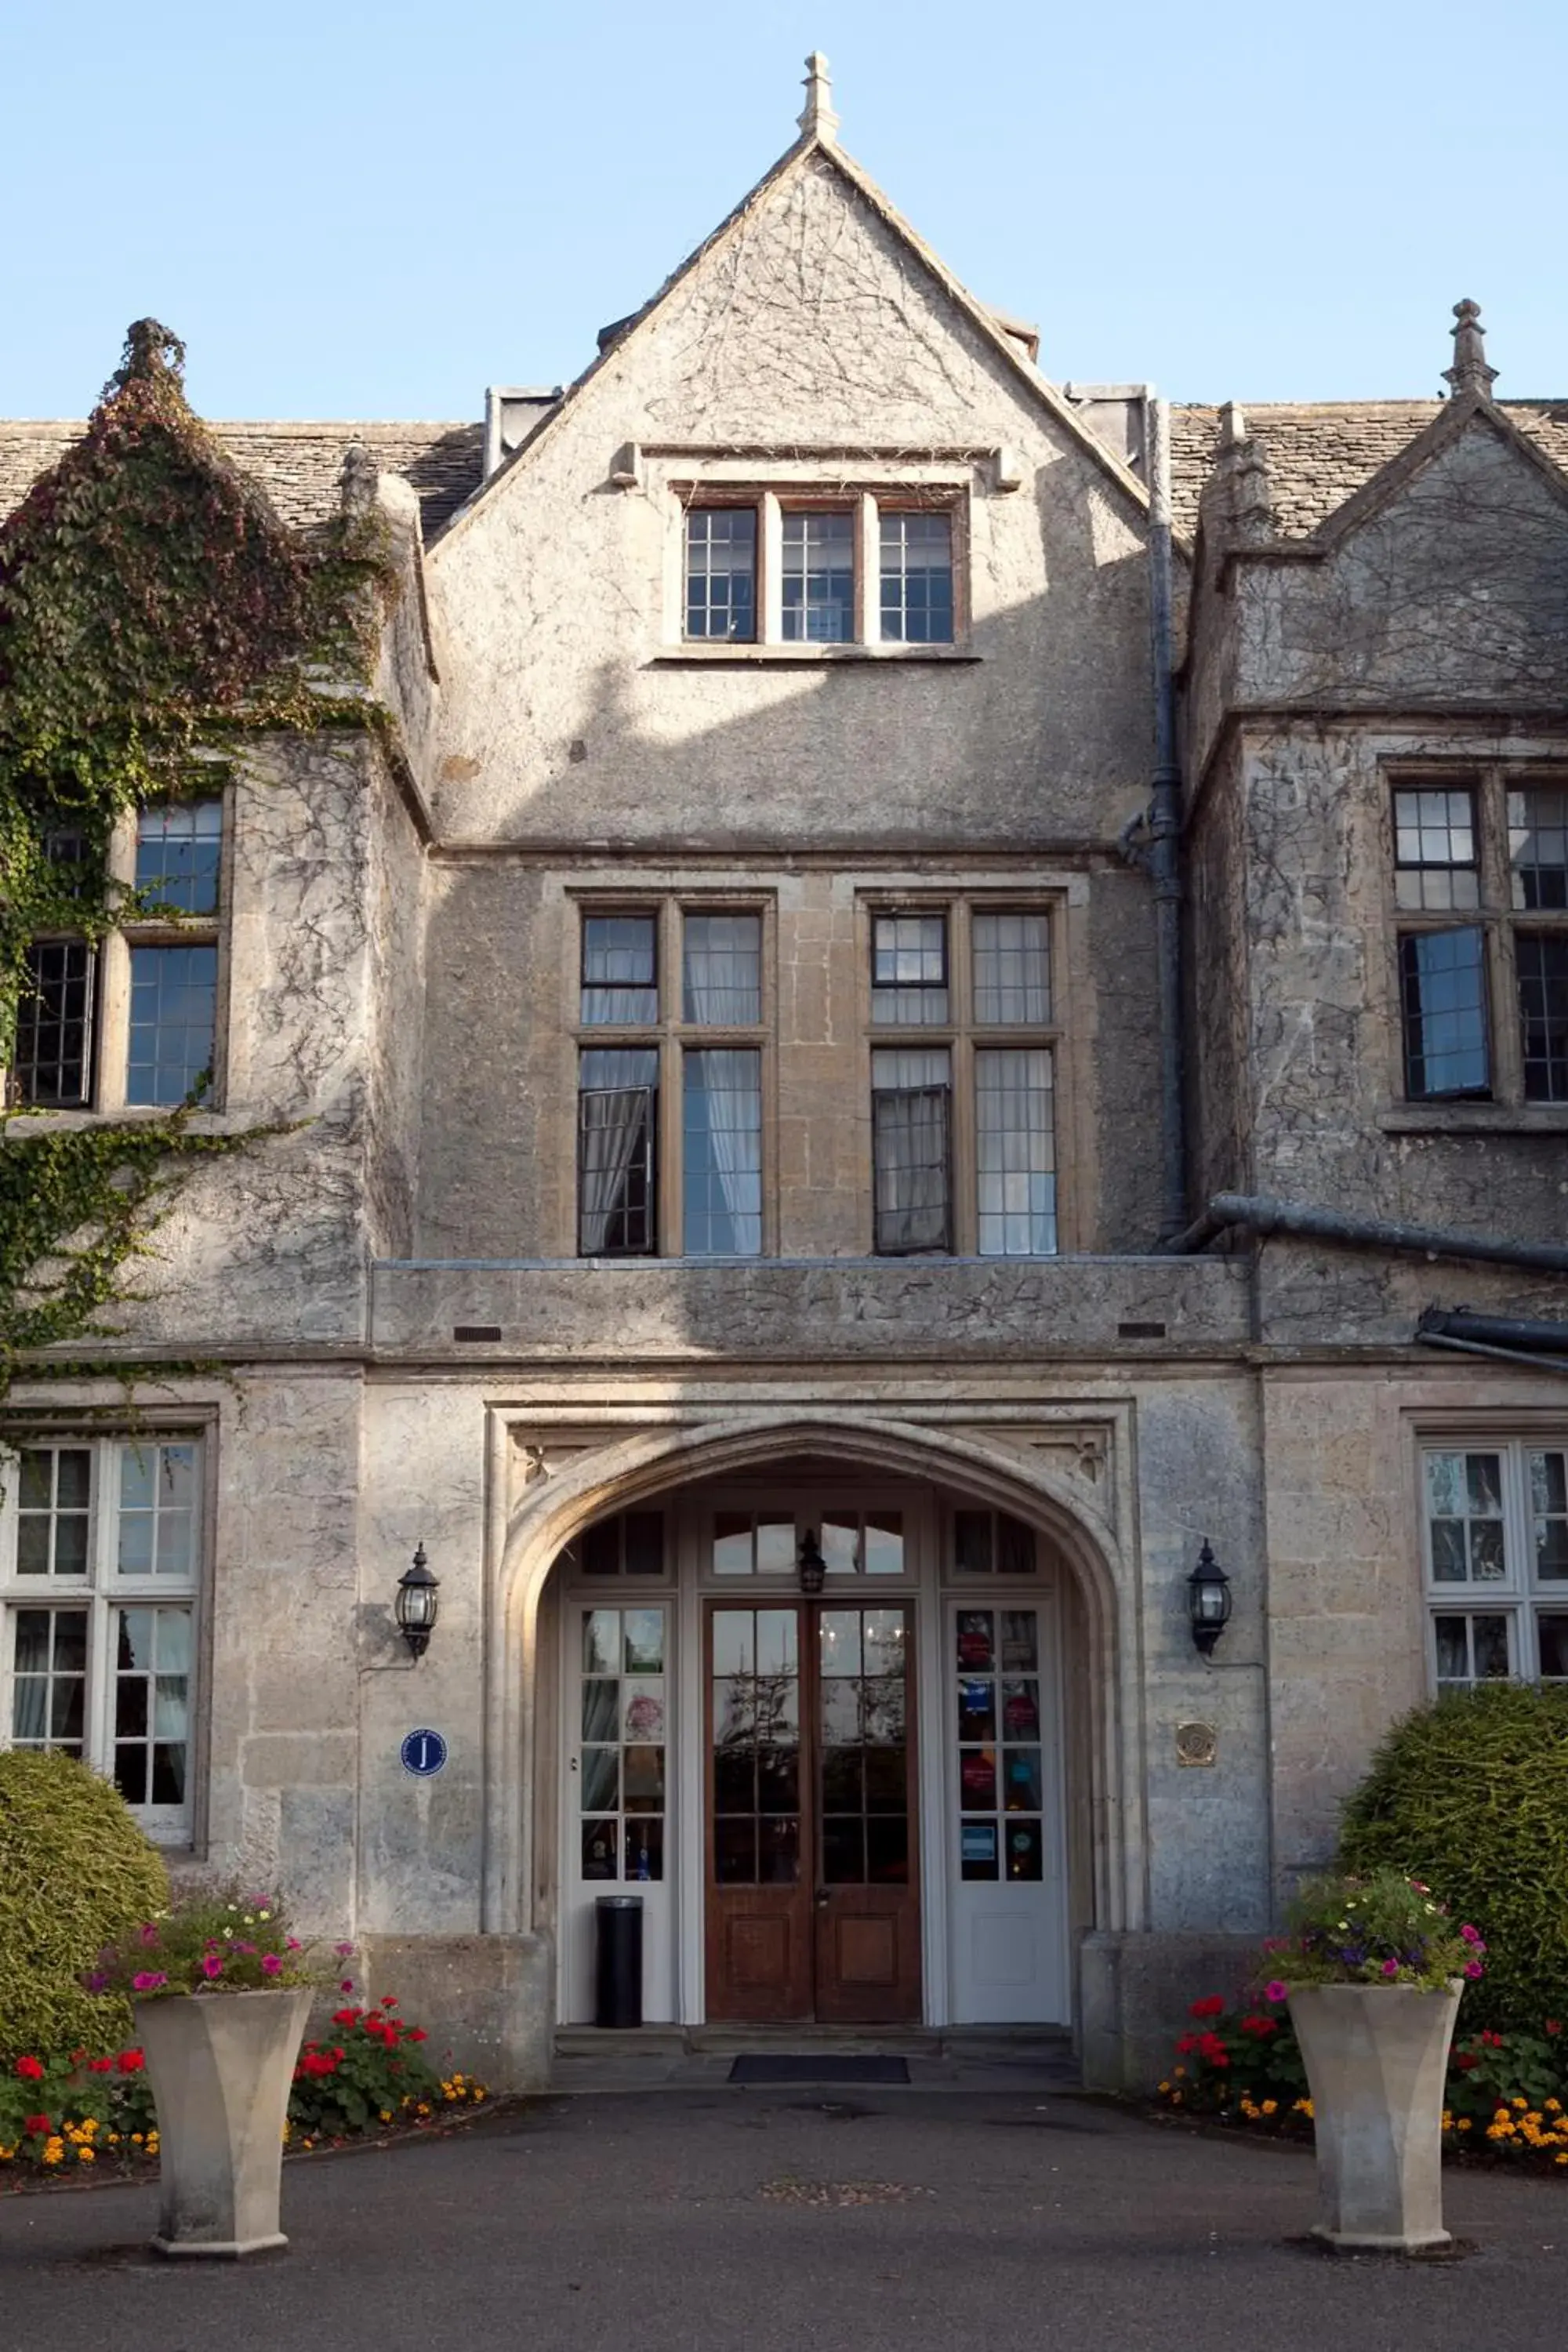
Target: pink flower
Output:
[
  {"x": 292, "y": 1944},
  {"x": 1391, "y": 1968},
  {"x": 346, "y": 1985},
  {"x": 1474, "y": 1969},
  {"x": 343, "y": 1951},
  {"x": 271, "y": 1964},
  {"x": 148, "y": 1980},
  {"x": 1472, "y": 1935},
  {"x": 1276, "y": 1991},
  {"x": 212, "y": 1967},
  {"x": 149, "y": 1934}
]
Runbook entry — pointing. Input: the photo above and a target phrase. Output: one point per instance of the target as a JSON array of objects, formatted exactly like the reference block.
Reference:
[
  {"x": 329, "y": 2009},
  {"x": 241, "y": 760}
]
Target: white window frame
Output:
[
  {"x": 99, "y": 1593},
  {"x": 1517, "y": 1596}
]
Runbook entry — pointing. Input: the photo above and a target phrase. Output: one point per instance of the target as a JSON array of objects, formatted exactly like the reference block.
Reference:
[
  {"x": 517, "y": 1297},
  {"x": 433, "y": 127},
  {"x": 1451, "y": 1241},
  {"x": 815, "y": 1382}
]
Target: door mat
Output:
[{"x": 816, "y": 2066}]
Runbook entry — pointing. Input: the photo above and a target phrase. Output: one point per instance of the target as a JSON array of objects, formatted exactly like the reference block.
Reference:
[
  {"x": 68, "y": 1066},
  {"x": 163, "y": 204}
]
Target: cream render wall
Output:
[{"x": 807, "y": 325}]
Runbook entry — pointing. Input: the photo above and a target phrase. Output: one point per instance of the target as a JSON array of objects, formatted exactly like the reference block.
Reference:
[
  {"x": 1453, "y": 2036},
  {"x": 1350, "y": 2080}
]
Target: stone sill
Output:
[
  {"x": 681, "y": 656},
  {"x": 1476, "y": 1118},
  {"x": 24, "y": 1124}
]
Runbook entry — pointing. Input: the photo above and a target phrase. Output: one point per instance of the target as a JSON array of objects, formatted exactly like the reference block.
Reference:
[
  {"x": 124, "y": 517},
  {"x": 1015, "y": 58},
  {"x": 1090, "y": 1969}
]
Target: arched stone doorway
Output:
[{"x": 1031, "y": 1789}]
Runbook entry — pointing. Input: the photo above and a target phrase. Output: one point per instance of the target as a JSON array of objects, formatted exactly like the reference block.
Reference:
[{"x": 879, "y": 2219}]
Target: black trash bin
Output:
[{"x": 617, "y": 1972}]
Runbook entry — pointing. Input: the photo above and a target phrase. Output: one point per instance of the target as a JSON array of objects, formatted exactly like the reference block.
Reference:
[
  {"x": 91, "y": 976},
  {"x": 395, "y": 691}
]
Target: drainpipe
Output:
[
  {"x": 1164, "y": 835},
  {"x": 1259, "y": 1214}
]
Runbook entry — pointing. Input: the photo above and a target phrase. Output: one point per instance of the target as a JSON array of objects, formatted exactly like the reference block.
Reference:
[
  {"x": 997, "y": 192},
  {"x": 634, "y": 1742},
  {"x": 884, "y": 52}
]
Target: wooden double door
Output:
[{"x": 811, "y": 1814}]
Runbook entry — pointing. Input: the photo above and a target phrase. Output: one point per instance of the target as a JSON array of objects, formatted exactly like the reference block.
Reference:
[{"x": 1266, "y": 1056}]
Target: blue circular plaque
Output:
[{"x": 424, "y": 1753}]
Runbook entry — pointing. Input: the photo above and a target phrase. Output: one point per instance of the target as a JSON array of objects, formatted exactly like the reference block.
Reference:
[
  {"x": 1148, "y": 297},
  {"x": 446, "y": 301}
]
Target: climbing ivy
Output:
[{"x": 153, "y": 609}]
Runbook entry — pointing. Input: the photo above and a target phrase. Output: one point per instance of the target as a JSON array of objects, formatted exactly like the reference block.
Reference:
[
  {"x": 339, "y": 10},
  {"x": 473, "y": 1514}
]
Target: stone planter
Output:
[
  {"x": 221, "y": 2065},
  {"x": 1376, "y": 2059}
]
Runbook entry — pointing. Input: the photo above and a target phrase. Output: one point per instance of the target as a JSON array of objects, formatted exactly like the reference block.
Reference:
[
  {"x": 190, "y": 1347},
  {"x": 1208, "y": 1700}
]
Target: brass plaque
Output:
[{"x": 1196, "y": 1743}]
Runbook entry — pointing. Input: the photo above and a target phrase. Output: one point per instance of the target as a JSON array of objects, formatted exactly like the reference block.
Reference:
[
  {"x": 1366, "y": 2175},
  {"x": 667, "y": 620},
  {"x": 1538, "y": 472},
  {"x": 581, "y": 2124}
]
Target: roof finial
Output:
[
  {"x": 1470, "y": 371},
  {"x": 817, "y": 117}
]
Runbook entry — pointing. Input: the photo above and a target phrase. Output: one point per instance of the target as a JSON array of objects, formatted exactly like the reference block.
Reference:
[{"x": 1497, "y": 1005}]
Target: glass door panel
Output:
[{"x": 1009, "y": 1938}]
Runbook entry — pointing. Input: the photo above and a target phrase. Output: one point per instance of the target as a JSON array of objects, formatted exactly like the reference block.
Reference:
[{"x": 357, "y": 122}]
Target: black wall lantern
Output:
[
  {"x": 419, "y": 1603},
  {"x": 812, "y": 1566},
  {"x": 1209, "y": 1601}
]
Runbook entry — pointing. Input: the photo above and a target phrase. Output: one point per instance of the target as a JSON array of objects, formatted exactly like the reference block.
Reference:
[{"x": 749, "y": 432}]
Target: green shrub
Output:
[
  {"x": 1471, "y": 1795},
  {"x": 75, "y": 1872}
]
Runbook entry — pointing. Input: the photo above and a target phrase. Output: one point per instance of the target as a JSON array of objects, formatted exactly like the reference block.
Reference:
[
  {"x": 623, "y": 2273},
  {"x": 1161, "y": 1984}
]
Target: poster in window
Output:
[
  {"x": 977, "y": 1849},
  {"x": 976, "y": 1638}
]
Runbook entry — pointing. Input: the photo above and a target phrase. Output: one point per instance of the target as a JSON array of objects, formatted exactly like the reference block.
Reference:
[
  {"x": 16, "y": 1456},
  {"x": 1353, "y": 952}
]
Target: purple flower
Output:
[
  {"x": 149, "y": 1934},
  {"x": 1391, "y": 1968},
  {"x": 271, "y": 1964},
  {"x": 97, "y": 1981},
  {"x": 148, "y": 1980},
  {"x": 343, "y": 1951},
  {"x": 1472, "y": 1935},
  {"x": 1275, "y": 1990},
  {"x": 1474, "y": 1969}
]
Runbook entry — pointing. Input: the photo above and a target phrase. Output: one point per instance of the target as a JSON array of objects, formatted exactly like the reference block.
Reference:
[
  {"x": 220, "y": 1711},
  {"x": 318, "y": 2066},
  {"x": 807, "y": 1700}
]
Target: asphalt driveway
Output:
[{"x": 699, "y": 2222}]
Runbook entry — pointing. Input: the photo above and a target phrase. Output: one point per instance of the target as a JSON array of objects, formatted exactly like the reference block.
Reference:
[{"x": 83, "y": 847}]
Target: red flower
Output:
[
  {"x": 1213, "y": 2006},
  {"x": 417, "y": 2034},
  {"x": 101, "y": 2065},
  {"x": 389, "y": 2001},
  {"x": 30, "y": 2070},
  {"x": 39, "y": 2123},
  {"x": 1261, "y": 2027},
  {"x": 346, "y": 2017},
  {"x": 132, "y": 2062},
  {"x": 1554, "y": 2025},
  {"x": 1465, "y": 2060}
]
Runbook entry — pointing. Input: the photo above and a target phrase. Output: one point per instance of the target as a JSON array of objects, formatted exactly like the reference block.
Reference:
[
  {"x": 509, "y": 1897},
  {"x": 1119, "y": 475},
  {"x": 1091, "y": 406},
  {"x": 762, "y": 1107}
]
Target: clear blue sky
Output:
[{"x": 371, "y": 211}]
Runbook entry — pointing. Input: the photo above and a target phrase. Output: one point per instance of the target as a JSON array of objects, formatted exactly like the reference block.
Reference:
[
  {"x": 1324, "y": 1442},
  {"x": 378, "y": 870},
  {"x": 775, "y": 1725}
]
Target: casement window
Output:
[
  {"x": 670, "y": 1102},
  {"x": 131, "y": 1021},
  {"x": 100, "y": 1576},
  {"x": 1495, "y": 1552},
  {"x": 1480, "y": 891},
  {"x": 864, "y": 569},
  {"x": 963, "y": 1125}
]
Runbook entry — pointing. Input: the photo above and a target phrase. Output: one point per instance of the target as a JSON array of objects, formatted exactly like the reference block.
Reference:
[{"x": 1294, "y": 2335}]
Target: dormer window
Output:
[{"x": 776, "y": 569}]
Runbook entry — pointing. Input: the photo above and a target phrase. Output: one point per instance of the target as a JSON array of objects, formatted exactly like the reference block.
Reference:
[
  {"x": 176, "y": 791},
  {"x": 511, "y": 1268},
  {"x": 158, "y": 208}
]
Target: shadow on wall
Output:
[{"x": 1044, "y": 741}]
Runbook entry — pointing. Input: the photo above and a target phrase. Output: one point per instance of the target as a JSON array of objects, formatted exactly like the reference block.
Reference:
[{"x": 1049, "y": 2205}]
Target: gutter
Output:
[{"x": 1260, "y": 1213}]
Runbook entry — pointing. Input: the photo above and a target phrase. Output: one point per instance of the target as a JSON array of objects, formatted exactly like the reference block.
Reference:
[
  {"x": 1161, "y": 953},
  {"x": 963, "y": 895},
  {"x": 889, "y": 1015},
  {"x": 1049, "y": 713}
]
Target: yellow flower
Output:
[
  {"x": 1165, "y": 2089},
  {"x": 1522, "y": 2102},
  {"x": 386, "y": 2115},
  {"x": 1552, "y": 2106},
  {"x": 1270, "y": 2106},
  {"x": 53, "y": 2151},
  {"x": 135, "y": 2139},
  {"x": 85, "y": 2155},
  {"x": 1464, "y": 2123},
  {"x": 1561, "y": 2160}
]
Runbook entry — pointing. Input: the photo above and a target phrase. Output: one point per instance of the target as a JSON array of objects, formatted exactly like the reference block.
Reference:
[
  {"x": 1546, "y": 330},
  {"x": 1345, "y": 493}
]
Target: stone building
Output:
[{"x": 822, "y": 1162}]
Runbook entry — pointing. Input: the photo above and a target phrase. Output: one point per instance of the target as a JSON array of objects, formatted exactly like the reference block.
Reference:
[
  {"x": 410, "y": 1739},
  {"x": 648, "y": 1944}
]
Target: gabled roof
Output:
[
  {"x": 820, "y": 143},
  {"x": 298, "y": 465},
  {"x": 1320, "y": 453}
]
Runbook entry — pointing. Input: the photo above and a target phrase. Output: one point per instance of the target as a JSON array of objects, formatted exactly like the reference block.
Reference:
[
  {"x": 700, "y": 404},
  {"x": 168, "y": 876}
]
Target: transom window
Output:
[
  {"x": 963, "y": 1125},
  {"x": 669, "y": 1113},
  {"x": 1495, "y": 1540},
  {"x": 862, "y": 569},
  {"x": 1484, "y": 1001},
  {"x": 853, "y": 1540},
  {"x": 131, "y": 1021},
  {"x": 100, "y": 1561}
]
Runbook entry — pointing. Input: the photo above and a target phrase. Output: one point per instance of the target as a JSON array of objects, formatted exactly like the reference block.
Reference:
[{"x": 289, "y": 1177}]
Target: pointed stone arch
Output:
[{"x": 621, "y": 1475}]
